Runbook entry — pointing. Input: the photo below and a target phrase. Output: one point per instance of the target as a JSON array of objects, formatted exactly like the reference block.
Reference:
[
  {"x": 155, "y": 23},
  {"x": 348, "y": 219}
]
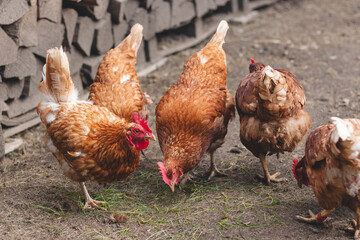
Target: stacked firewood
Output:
[{"x": 87, "y": 29}]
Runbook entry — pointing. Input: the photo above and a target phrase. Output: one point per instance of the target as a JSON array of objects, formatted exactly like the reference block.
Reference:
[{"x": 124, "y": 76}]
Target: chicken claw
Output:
[
  {"x": 89, "y": 202},
  {"x": 354, "y": 229},
  {"x": 316, "y": 218},
  {"x": 271, "y": 178},
  {"x": 214, "y": 172}
]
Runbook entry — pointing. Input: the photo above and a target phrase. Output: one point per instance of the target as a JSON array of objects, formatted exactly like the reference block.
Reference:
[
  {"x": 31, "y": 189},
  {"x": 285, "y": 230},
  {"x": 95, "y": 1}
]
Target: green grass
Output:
[{"x": 216, "y": 207}]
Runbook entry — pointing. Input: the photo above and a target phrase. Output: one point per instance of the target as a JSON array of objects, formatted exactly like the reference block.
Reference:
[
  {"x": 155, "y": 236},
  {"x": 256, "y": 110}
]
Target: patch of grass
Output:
[{"x": 52, "y": 211}]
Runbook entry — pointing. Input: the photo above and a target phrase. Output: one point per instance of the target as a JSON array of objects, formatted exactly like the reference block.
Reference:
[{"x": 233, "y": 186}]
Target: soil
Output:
[{"x": 318, "y": 40}]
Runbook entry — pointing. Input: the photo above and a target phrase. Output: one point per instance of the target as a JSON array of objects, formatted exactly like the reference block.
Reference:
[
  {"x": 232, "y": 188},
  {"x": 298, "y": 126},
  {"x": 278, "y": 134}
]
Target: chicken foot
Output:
[
  {"x": 89, "y": 202},
  {"x": 355, "y": 225},
  {"x": 213, "y": 171},
  {"x": 268, "y": 178},
  {"x": 316, "y": 218}
]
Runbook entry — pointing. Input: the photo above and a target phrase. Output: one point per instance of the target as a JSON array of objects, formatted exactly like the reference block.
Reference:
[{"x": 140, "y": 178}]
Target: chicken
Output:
[
  {"x": 332, "y": 166},
  {"x": 192, "y": 116},
  {"x": 116, "y": 84},
  {"x": 89, "y": 141},
  {"x": 270, "y": 104}
]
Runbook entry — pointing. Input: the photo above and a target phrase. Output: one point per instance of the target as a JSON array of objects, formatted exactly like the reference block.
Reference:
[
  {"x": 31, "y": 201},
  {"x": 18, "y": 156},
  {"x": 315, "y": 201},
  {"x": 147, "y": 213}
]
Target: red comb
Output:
[
  {"x": 295, "y": 162},
  {"x": 252, "y": 60},
  {"x": 163, "y": 171},
  {"x": 137, "y": 119}
]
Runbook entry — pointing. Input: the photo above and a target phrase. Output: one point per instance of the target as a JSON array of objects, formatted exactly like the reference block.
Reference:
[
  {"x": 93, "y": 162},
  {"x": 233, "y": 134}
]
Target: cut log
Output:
[
  {"x": 99, "y": 11},
  {"x": 50, "y": 9},
  {"x": 25, "y": 65},
  {"x": 22, "y": 105},
  {"x": 103, "y": 38},
  {"x": 141, "y": 55},
  {"x": 70, "y": 17},
  {"x": 37, "y": 78},
  {"x": 117, "y": 10},
  {"x": 182, "y": 12},
  {"x": 15, "y": 130},
  {"x": 49, "y": 35},
  {"x": 120, "y": 31},
  {"x": 130, "y": 8},
  {"x": 234, "y": 6},
  {"x": 2, "y": 144},
  {"x": 151, "y": 27},
  {"x": 195, "y": 29},
  {"x": 22, "y": 31},
  {"x": 26, "y": 88},
  {"x": 221, "y": 2},
  {"x": 3, "y": 92},
  {"x": 87, "y": 3},
  {"x": 212, "y": 5},
  {"x": 12, "y": 10},
  {"x": 15, "y": 121},
  {"x": 84, "y": 34},
  {"x": 151, "y": 50},
  {"x": 162, "y": 12},
  {"x": 201, "y": 7},
  {"x": 15, "y": 87},
  {"x": 76, "y": 58},
  {"x": 89, "y": 69},
  {"x": 78, "y": 83},
  {"x": 8, "y": 48},
  {"x": 13, "y": 145}
]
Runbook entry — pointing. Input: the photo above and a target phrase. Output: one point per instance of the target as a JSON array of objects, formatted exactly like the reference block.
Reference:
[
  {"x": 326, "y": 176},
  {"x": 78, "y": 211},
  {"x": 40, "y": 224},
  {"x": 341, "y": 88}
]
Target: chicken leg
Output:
[
  {"x": 355, "y": 225},
  {"x": 89, "y": 202},
  {"x": 213, "y": 171},
  {"x": 268, "y": 178},
  {"x": 318, "y": 218}
]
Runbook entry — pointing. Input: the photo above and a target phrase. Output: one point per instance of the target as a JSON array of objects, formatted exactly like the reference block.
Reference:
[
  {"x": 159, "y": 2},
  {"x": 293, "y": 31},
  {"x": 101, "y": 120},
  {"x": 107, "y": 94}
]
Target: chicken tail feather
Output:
[
  {"x": 346, "y": 138},
  {"x": 57, "y": 84},
  {"x": 133, "y": 40},
  {"x": 219, "y": 36},
  {"x": 272, "y": 86}
]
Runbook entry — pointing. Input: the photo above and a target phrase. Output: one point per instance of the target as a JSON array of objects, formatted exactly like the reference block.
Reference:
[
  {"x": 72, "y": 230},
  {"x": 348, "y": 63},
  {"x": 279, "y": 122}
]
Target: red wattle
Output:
[{"x": 142, "y": 145}]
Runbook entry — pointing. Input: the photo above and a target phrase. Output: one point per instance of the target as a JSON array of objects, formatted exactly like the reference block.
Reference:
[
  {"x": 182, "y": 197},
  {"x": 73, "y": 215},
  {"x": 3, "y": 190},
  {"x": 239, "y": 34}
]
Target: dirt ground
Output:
[{"x": 318, "y": 40}]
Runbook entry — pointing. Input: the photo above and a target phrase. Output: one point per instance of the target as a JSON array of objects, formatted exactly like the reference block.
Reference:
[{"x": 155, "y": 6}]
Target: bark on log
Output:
[
  {"x": 50, "y": 9},
  {"x": 103, "y": 38},
  {"x": 117, "y": 10},
  {"x": 70, "y": 17},
  {"x": 8, "y": 48},
  {"x": 22, "y": 31},
  {"x": 182, "y": 12},
  {"x": 25, "y": 65},
  {"x": 84, "y": 34},
  {"x": 12, "y": 10},
  {"x": 120, "y": 31},
  {"x": 49, "y": 35}
]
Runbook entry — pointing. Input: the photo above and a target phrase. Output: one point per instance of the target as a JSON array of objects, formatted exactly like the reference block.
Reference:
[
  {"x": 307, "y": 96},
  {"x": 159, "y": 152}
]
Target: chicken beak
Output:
[
  {"x": 150, "y": 137},
  {"x": 299, "y": 184},
  {"x": 172, "y": 187}
]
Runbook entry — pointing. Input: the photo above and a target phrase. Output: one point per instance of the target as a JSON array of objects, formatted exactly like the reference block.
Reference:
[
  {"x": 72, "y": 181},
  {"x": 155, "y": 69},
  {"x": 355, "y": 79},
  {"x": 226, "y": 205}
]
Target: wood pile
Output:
[{"x": 88, "y": 29}]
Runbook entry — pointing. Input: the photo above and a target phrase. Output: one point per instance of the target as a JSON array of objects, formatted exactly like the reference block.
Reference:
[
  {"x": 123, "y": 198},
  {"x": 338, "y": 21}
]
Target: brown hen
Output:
[
  {"x": 332, "y": 166},
  {"x": 192, "y": 116},
  {"x": 270, "y": 104},
  {"x": 89, "y": 141},
  {"x": 116, "y": 85}
]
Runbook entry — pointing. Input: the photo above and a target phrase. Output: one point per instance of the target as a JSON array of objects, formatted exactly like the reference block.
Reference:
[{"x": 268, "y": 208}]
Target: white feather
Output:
[{"x": 342, "y": 130}]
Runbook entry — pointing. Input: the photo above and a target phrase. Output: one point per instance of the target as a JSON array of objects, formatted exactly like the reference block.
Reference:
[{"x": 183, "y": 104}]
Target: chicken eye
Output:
[{"x": 136, "y": 131}]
